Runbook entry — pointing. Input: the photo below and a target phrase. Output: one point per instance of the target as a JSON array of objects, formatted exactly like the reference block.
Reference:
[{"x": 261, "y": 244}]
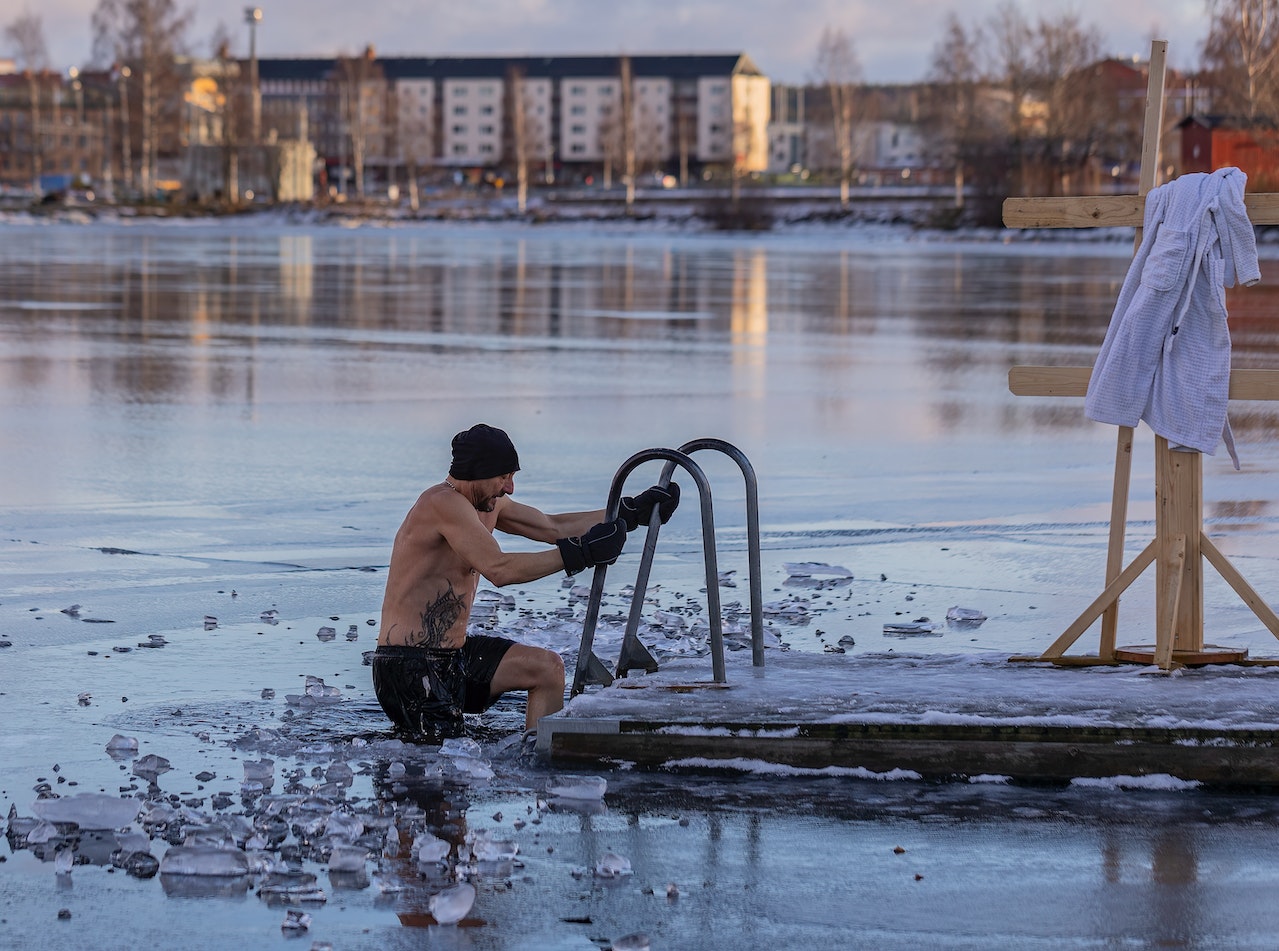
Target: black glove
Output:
[
  {"x": 639, "y": 510},
  {"x": 599, "y": 546}
]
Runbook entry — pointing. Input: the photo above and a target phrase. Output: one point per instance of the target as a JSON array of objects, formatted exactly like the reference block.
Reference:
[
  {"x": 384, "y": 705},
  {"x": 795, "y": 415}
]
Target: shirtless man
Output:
[{"x": 426, "y": 670}]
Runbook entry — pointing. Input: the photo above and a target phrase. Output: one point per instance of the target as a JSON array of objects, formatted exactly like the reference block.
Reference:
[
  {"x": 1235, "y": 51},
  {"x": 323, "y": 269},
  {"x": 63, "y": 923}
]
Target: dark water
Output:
[{"x": 195, "y": 410}]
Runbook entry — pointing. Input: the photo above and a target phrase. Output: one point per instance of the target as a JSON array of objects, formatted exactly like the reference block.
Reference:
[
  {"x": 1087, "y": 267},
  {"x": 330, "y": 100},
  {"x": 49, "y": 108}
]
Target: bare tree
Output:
[
  {"x": 1240, "y": 53},
  {"x": 955, "y": 74},
  {"x": 1067, "y": 82},
  {"x": 839, "y": 70},
  {"x": 25, "y": 38},
  {"x": 1011, "y": 37},
  {"x": 359, "y": 86},
  {"x": 146, "y": 35}
]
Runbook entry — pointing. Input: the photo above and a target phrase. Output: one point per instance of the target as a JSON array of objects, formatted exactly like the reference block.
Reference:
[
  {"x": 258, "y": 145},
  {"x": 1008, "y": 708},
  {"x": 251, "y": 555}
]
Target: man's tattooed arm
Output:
[{"x": 438, "y": 619}]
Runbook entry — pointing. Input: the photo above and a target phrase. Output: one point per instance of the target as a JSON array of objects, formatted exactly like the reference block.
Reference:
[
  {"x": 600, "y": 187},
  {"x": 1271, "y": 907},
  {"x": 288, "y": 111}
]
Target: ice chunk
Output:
[
  {"x": 210, "y": 622},
  {"x": 638, "y": 941},
  {"x": 460, "y": 746},
  {"x": 451, "y": 905},
  {"x": 151, "y": 766},
  {"x": 204, "y": 860},
  {"x": 339, "y": 773},
  {"x": 486, "y": 848},
  {"x": 295, "y": 920},
  {"x": 612, "y": 865},
  {"x": 317, "y": 689},
  {"x": 428, "y": 849},
  {"x": 89, "y": 810},
  {"x": 918, "y": 626},
  {"x": 965, "y": 617},
  {"x": 348, "y": 858},
  {"x": 63, "y": 859},
  {"x": 577, "y": 787},
  {"x": 343, "y": 825},
  {"x": 815, "y": 569},
  {"x": 136, "y": 862},
  {"x": 122, "y": 744},
  {"x": 259, "y": 771},
  {"x": 326, "y": 633},
  {"x": 42, "y": 831},
  {"x": 271, "y": 616}
]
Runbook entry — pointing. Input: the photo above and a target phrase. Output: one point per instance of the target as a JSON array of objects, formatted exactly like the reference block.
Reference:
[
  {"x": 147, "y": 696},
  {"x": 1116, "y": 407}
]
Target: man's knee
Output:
[
  {"x": 551, "y": 669},
  {"x": 529, "y": 668}
]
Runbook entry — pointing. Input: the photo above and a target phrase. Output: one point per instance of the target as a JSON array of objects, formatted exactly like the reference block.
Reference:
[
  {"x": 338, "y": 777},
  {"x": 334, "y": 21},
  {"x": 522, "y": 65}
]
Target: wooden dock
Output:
[{"x": 943, "y": 718}]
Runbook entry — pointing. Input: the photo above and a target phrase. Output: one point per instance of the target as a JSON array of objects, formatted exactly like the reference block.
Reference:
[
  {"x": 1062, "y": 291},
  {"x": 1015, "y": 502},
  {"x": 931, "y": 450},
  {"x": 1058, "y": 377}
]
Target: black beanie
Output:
[{"x": 483, "y": 452}]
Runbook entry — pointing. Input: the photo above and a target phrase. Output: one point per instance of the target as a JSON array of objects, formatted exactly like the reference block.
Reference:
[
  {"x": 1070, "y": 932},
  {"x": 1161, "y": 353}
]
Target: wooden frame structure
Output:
[{"x": 1180, "y": 544}]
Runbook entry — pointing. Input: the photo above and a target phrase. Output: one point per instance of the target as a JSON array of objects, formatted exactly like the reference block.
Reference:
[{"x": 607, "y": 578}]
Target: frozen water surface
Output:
[{"x": 228, "y": 421}]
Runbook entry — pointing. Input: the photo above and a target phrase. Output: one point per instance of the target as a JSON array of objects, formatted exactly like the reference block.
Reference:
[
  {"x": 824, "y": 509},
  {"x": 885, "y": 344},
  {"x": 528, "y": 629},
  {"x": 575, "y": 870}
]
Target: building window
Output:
[
  {"x": 459, "y": 130},
  {"x": 578, "y": 129},
  {"x": 578, "y": 110},
  {"x": 577, "y": 90},
  {"x": 486, "y": 130},
  {"x": 486, "y": 110},
  {"x": 486, "y": 148},
  {"x": 459, "y": 110},
  {"x": 577, "y": 148},
  {"x": 459, "y": 90},
  {"x": 459, "y": 148}
]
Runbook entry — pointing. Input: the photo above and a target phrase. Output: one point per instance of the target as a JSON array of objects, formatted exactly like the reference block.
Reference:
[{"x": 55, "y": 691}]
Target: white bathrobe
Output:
[{"x": 1166, "y": 356}]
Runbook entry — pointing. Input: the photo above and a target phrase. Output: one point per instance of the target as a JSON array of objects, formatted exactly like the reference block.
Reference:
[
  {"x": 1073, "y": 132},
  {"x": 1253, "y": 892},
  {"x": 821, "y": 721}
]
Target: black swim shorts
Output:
[{"x": 427, "y": 690}]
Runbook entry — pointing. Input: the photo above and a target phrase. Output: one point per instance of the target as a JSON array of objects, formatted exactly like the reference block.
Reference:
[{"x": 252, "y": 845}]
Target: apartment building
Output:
[{"x": 565, "y": 115}]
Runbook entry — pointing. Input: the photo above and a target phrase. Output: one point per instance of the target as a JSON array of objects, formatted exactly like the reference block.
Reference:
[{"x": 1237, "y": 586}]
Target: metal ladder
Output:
[{"x": 634, "y": 655}]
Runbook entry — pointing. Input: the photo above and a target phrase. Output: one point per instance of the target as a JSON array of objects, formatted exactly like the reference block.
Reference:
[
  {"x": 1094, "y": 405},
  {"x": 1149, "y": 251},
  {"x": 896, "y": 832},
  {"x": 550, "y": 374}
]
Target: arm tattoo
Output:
[{"x": 438, "y": 619}]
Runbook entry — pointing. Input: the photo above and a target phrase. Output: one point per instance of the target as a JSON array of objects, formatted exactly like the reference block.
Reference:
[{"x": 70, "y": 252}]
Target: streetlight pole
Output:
[
  {"x": 253, "y": 16},
  {"x": 126, "y": 158}
]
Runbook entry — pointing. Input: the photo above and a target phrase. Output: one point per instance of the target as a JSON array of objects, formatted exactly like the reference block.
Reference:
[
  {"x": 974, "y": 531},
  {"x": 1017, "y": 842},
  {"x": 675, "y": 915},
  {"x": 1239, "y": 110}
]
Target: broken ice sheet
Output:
[
  {"x": 965, "y": 617},
  {"x": 815, "y": 569},
  {"x": 451, "y": 905},
  {"x": 204, "y": 860},
  {"x": 919, "y": 626},
  {"x": 89, "y": 810},
  {"x": 151, "y": 766},
  {"x": 612, "y": 865},
  {"x": 577, "y": 787}
]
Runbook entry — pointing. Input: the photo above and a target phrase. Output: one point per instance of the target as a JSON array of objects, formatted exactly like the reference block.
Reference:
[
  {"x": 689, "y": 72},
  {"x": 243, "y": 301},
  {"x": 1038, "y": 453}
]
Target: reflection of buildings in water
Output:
[
  {"x": 297, "y": 268},
  {"x": 748, "y": 323}
]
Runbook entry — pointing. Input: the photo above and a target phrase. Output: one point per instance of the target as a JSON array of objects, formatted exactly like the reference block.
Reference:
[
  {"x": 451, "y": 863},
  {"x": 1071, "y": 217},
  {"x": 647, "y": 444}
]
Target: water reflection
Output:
[{"x": 219, "y": 314}]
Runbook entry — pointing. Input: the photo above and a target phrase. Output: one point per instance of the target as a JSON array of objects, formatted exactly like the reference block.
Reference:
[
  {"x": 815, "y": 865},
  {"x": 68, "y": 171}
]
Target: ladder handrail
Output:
[
  {"x": 587, "y": 662},
  {"x": 752, "y": 533}
]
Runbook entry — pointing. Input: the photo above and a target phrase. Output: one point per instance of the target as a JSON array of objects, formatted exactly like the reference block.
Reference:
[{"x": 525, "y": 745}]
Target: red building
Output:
[{"x": 1212, "y": 142}]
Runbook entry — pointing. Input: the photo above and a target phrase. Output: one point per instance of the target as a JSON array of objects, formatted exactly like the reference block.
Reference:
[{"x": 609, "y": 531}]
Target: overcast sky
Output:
[{"x": 893, "y": 38}]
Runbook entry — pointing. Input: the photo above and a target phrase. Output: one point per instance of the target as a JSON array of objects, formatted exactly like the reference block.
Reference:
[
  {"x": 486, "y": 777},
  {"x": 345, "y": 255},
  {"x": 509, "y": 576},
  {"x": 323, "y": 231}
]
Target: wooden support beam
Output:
[
  {"x": 1110, "y": 211},
  {"x": 1073, "y": 381},
  {"x": 1102, "y": 601},
  {"x": 1245, "y": 591}
]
